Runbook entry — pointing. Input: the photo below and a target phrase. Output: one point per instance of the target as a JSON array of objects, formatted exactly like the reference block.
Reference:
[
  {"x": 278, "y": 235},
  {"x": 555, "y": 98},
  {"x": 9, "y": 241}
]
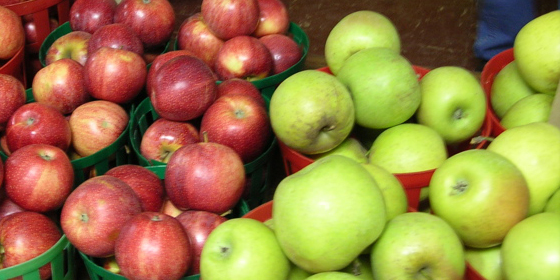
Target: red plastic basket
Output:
[
  {"x": 15, "y": 66},
  {"x": 490, "y": 70}
]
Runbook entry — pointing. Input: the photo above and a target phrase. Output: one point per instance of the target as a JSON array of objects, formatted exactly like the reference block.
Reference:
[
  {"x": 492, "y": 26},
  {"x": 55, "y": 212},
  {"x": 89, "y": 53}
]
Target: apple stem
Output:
[
  {"x": 480, "y": 139},
  {"x": 156, "y": 218},
  {"x": 30, "y": 121},
  {"x": 205, "y": 136},
  {"x": 84, "y": 218},
  {"x": 46, "y": 157},
  {"x": 458, "y": 114},
  {"x": 328, "y": 128}
]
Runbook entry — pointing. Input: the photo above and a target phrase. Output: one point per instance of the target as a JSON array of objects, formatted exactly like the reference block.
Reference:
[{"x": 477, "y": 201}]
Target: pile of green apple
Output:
[{"x": 523, "y": 90}]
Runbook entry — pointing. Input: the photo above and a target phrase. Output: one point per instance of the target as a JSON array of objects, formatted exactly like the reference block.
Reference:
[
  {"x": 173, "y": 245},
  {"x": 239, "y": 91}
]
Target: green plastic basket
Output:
[
  {"x": 60, "y": 31},
  {"x": 256, "y": 171},
  {"x": 61, "y": 258},
  {"x": 97, "y": 272}
]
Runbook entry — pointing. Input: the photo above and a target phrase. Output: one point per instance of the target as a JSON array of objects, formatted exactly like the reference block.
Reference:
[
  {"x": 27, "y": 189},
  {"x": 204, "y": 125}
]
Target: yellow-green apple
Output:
[
  {"x": 453, "y": 103},
  {"x": 531, "y": 148},
  {"x": 356, "y": 31},
  {"x": 531, "y": 249},
  {"x": 117, "y": 36},
  {"x": 88, "y": 16},
  {"x": 312, "y": 112},
  {"x": 243, "y": 57},
  {"x": 37, "y": 123},
  {"x": 195, "y": 36},
  {"x": 12, "y": 38},
  {"x": 297, "y": 273},
  {"x": 95, "y": 125},
  {"x": 72, "y": 45},
  {"x": 152, "y": 20},
  {"x": 487, "y": 262},
  {"x": 91, "y": 226},
  {"x": 145, "y": 183},
  {"x": 12, "y": 96},
  {"x": 163, "y": 137},
  {"x": 228, "y": 19},
  {"x": 350, "y": 147},
  {"x": 507, "y": 88},
  {"x": 239, "y": 122},
  {"x": 273, "y": 18},
  {"x": 338, "y": 196},
  {"x": 239, "y": 86},
  {"x": 115, "y": 75},
  {"x": 553, "y": 204},
  {"x": 394, "y": 195},
  {"x": 332, "y": 275},
  {"x": 418, "y": 245},
  {"x": 476, "y": 188},
  {"x": 157, "y": 63},
  {"x": 408, "y": 147},
  {"x": 39, "y": 177},
  {"x": 198, "y": 225},
  {"x": 61, "y": 85},
  {"x": 360, "y": 267},
  {"x": 183, "y": 88},
  {"x": 25, "y": 236},
  {"x": 284, "y": 50},
  {"x": 146, "y": 243},
  {"x": 384, "y": 87},
  {"x": 532, "y": 108},
  {"x": 205, "y": 176},
  {"x": 235, "y": 249},
  {"x": 537, "y": 54}
]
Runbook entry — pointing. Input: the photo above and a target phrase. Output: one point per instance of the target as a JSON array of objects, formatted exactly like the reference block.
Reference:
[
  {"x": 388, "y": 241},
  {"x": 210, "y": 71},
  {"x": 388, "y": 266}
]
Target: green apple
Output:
[
  {"x": 508, "y": 87},
  {"x": 534, "y": 149},
  {"x": 531, "y": 250},
  {"x": 350, "y": 147},
  {"x": 384, "y": 87},
  {"x": 332, "y": 275},
  {"x": 533, "y": 108},
  {"x": 360, "y": 267},
  {"x": 537, "y": 51},
  {"x": 296, "y": 273},
  {"x": 418, "y": 245},
  {"x": 357, "y": 31},
  {"x": 327, "y": 213},
  {"x": 408, "y": 147},
  {"x": 243, "y": 248},
  {"x": 394, "y": 195},
  {"x": 477, "y": 188},
  {"x": 312, "y": 112},
  {"x": 453, "y": 103},
  {"x": 553, "y": 204},
  {"x": 486, "y": 261}
]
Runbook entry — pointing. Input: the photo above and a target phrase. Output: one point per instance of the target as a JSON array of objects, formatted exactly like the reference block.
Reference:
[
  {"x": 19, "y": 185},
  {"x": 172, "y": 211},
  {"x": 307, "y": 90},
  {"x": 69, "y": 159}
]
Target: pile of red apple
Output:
[
  {"x": 245, "y": 39},
  {"x": 12, "y": 38}
]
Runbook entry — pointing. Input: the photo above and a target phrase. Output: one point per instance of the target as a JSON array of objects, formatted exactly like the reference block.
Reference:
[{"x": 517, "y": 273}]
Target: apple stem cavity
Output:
[
  {"x": 84, "y": 218},
  {"x": 459, "y": 188},
  {"x": 328, "y": 128},
  {"x": 156, "y": 218},
  {"x": 458, "y": 114},
  {"x": 30, "y": 121},
  {"x": 424, "y": 274},
  {"x": 46, "y": 157}
]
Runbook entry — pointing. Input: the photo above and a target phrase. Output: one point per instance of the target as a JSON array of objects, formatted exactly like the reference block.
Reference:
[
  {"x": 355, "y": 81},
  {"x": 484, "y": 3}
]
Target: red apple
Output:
[
  {"x": 96, "y": 125},
  {"x": 39, "y": 177},
  {"x": 239, "y": 86},
  {"x": 153, "y": 245},
  {"x": 284, "y": 50},
  {"x": 205, "y": 176},
  {"x": 183, "y": 88},
  {"x": 158, "y": 62},
  {"x": 115, "y": 75},
  {"x": 31, "y": 29},
  {"x": 95, "y": 212},
  {"x": 61, "y": 85},
  {"x": 12, "y": 37},
  {"x": 273, "y": 18},
  {"x": 36, "y": 123},
  {"x": 198, "y": 225},
  {"x": 117, "y": 36},
  {"x": 195, "y": 36},
  {"x": 170, "y": 209},
  {"x": 152, "y": 20},
  {"x": 163, "y": 137},
  {"x": 26, "y": 235},
  {"x": 243, "y": 57},
  {"x": 70, "y": 45},
  {"x": 239, "y": 122},
  {"x": 145, "y": 183},
  {"x": 7, "y": 206},
  {"x": 4, "y": 145},
  {"x": 11, "y": 2},
  {"x": 228, "y": 19},
  {"x": 88, "y": 16},
  {"x": 12, "y": 96}
]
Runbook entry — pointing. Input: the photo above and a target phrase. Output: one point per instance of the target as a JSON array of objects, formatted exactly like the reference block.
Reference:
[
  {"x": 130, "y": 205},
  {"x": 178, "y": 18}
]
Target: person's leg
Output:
[{"x": 498, "y": 23}]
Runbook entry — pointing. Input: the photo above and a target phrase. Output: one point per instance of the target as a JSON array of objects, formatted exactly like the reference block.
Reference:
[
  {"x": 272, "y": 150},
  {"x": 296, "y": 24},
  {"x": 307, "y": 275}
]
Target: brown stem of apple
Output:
[
  {"x": 459, "y": 188},
  {"x": 480, "y": 139},
  {"x": 205, "y": 136}
]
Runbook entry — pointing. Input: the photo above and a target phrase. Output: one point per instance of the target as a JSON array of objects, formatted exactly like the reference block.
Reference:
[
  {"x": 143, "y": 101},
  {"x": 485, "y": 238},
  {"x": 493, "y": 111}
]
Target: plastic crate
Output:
[
  {"x": 61, "y": 258},
  {"x": 256, "y": 171},
  {"x": 490, "y": 70},
  {"x": 16, "y": 66}
]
